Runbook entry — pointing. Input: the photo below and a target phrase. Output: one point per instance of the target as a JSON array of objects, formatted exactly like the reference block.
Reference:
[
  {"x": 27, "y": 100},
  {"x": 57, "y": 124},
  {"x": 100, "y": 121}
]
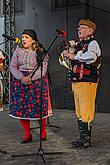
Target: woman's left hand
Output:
[{"x": 26, "y": 80}]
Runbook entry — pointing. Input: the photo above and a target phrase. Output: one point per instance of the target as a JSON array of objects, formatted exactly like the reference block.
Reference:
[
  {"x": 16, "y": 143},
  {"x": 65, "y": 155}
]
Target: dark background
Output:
[{"x": 45, "y": 16}]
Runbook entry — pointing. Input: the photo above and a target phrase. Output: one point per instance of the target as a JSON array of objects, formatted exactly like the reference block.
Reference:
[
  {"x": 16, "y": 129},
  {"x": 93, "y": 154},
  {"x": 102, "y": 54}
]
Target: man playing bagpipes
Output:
[{"x": 83, "y": 59}]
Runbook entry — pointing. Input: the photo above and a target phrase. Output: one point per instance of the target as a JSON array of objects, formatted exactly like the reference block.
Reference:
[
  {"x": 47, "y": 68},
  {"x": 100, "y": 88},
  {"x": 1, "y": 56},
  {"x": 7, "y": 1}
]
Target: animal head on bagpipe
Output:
[
  {"x": 75, "y": 46},
  {"x": 72, "y": 44}
]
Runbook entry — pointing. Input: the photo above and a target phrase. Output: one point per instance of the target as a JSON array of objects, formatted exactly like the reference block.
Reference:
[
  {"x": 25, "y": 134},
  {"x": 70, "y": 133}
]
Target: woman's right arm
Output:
[{"x": 14, "y": 66}]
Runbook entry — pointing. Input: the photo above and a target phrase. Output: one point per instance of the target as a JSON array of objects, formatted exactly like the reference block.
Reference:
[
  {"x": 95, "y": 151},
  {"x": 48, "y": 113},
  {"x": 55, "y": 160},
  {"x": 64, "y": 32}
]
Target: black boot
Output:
[
  {"x": 80, "y": 128},
  {"x": 89, "y": 129},
  {"x": 85, "y": 135}
]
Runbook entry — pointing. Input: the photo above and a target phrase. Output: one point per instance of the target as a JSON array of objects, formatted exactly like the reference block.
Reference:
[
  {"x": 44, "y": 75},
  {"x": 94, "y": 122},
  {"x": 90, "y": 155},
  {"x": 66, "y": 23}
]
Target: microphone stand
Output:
[
  {"x": 45, "y": 52},
  {"x": 48, "y": 121},
  {"x": 40, "y": 151}
]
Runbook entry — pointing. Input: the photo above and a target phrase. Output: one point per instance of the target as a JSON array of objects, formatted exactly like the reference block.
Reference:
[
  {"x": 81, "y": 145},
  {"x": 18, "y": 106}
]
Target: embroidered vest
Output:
[{"x": 82, "y": 72}]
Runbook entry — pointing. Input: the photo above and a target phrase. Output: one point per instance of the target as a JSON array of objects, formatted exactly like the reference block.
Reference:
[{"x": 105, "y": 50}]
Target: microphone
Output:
[
  {"x": 16, "y": 40},
  {"x": 61, "y": 33}
]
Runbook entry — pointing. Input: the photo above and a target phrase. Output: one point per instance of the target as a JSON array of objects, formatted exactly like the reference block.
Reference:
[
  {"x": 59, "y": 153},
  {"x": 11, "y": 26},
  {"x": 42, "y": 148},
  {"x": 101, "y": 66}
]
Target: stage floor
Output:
[{"x": 58, "y": 140}]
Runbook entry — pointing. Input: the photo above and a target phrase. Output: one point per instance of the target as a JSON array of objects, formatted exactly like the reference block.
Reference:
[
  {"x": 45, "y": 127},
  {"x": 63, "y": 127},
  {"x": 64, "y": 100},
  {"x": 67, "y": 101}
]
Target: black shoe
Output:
[
  {"x": 27, "y": 140},
  {"x": 83, "y": 144},
  {"x": 76, "y": 142}
]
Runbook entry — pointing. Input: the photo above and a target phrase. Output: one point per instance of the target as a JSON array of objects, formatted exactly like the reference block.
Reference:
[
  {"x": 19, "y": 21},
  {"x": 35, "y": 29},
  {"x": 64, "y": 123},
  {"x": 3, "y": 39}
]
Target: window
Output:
[
  {"x": 19, "y": 7},
  {"x": 62, "y": 4}
]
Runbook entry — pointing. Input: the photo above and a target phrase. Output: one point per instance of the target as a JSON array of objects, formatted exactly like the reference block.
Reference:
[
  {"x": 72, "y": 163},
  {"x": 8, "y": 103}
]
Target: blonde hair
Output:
[{"x": 35, "y": 46}]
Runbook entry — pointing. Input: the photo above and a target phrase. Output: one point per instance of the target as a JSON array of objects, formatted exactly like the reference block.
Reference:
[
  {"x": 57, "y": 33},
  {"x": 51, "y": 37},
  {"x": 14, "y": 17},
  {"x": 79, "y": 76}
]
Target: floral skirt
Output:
[{"x": 29, "y": 101}]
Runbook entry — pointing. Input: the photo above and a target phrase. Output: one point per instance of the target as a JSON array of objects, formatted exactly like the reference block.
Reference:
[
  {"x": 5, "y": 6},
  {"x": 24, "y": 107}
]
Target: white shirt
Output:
[{"x": 90, "y": 55}]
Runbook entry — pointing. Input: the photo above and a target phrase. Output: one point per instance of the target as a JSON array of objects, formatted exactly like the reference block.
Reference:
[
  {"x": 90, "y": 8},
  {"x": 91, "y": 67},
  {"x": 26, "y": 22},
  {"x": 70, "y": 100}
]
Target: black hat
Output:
[{"x": 31, "y": 33}]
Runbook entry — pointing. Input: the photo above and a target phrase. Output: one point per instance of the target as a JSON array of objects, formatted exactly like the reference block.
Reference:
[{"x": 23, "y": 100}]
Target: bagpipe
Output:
[
  {"x": 79, "y": 71},
  {"x": 73, "y": 46}
]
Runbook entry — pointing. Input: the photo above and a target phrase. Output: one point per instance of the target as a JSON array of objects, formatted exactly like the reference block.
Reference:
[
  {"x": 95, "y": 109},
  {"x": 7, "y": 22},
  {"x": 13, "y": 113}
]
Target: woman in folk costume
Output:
[{"x": 25, "y": 94}]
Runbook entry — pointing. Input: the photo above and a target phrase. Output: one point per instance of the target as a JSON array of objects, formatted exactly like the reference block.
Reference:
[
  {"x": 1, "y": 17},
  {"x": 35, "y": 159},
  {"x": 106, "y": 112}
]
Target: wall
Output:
[
  {"x": 45, "y": 20},
  {"x": 103, "y": 35},
  {"x": 40, "y": 15}
]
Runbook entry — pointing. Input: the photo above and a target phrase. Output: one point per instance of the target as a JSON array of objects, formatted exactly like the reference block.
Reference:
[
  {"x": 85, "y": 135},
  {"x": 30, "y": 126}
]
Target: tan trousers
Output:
[{"x": 84, "y": 97}]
